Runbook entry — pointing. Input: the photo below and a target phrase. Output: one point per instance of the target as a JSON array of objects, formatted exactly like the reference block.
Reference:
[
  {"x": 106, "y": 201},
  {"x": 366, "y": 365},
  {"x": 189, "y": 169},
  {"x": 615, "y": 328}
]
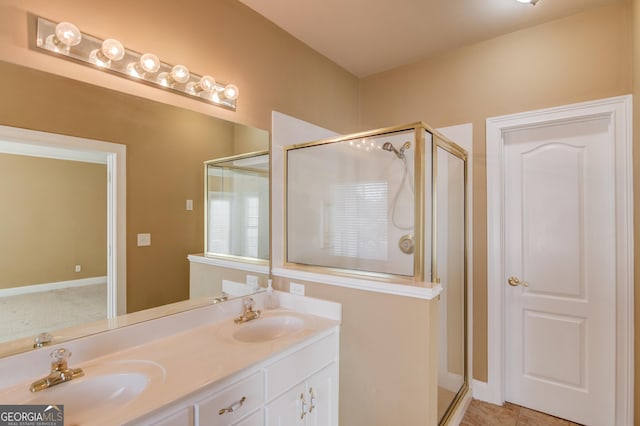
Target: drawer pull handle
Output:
[
  {"x": 312, "y": 400},
  {"x": 233, "y": 407},
  {"x": 304, "y": 406}
]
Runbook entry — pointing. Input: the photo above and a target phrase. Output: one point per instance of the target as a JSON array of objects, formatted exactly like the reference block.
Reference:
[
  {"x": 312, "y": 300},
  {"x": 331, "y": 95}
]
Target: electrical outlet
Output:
[
  {"x": 78, "y": 268},
  {"x": 295, "y": 288},
  {"x": 252, "y": 282}
]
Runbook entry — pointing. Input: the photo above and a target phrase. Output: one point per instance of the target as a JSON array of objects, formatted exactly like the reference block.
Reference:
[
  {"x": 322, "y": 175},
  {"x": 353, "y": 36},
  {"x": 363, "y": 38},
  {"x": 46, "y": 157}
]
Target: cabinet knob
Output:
[{"x": 233, "y": 407}]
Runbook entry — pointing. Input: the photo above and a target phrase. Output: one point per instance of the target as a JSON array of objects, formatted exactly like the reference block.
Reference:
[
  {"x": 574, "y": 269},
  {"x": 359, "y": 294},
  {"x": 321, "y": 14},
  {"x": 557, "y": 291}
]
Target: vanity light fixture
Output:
[{"x": 65, "y": 40}]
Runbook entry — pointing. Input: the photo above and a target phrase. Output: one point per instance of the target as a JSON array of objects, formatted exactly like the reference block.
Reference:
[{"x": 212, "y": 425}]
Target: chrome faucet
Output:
[
  {"x": 248, "y": 314},
  {"x": 60, "y": 372}
]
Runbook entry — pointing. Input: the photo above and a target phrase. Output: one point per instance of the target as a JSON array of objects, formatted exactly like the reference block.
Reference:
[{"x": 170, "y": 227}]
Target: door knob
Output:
[{"x": 515, "y": 281}]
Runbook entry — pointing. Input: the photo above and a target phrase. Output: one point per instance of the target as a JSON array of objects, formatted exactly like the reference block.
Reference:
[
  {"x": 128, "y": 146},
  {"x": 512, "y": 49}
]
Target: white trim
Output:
[
  {"x": 231, "y": 264},
  {"x": 51, "y": 145},
  {"x": 361, "y": 284},
  {"x": 38, "y": 288},
  {"x": 618, "y": 109}
]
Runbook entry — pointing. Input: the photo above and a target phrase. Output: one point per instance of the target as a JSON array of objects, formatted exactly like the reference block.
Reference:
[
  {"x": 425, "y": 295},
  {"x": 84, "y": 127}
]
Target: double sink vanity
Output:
[{"x": 219, "y": 364}]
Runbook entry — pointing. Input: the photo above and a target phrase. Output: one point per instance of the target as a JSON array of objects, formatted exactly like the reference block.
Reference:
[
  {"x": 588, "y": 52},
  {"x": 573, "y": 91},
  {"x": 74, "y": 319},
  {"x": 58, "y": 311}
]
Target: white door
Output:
[{"x": 559, "y": 257}]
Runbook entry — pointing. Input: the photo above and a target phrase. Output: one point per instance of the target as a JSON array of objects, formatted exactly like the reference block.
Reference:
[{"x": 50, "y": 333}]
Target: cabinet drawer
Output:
[
  {"x": 232, "y": 403},
  {"x": 284, "y": 373},
  {"x": 256, "y": 419}
]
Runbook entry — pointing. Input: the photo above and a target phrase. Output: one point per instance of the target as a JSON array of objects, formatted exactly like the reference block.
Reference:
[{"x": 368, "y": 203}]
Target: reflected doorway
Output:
[{"x": 62, "y": 232}]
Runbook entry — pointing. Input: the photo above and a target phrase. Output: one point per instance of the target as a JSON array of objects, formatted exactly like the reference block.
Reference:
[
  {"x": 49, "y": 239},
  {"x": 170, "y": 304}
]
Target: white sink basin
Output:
[
  {"x": 77, "y": 394},
  {"x": 268, "y": 328},
  {"x": 103, "y": 388}
]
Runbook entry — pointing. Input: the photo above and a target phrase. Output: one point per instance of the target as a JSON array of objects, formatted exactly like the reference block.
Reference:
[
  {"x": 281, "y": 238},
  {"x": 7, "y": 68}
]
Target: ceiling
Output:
[{"x": 369, "y": 36}]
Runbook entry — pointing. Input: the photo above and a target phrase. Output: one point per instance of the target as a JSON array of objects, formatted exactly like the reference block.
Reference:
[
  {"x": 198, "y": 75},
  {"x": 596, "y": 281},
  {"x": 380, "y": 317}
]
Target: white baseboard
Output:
[
  {"x": 482, "y": 392},
  {"x": 37, "y": 288}
]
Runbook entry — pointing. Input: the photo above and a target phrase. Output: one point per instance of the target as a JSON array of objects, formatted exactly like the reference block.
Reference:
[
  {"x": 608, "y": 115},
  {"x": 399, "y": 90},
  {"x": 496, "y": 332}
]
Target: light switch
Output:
[
  {"x": 189, "y": 204},
  {"x": 144, "y": 240}
]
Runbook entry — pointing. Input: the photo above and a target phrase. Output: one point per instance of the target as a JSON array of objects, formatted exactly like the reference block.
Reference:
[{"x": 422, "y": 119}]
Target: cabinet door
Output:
[
  {"x": 287, "y": 410},
  {"x": 322, "y": 396}
]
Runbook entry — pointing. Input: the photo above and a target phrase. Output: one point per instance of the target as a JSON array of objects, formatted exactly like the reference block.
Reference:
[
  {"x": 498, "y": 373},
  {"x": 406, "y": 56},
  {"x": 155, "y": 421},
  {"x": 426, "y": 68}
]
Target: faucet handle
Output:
[
  {"x": 42, "y": 339},
  {"x": 60, "y": 358},
  {"x": 248, "y": 304}
]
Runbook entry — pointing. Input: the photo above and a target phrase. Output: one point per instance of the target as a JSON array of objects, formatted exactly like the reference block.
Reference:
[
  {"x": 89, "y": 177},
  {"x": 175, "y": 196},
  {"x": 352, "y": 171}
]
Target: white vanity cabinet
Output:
[
  {"x": 312, "y": 403},
  {"x": 298, "y": 387},
  {"x": 313, "y": 399}
]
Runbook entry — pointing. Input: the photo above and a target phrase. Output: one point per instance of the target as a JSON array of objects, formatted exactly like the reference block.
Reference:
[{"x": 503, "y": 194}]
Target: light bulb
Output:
[
  {"x": 231, "y": 92},
  {"x": 206, "y": 83},
  {"x": 148, "y": 63},
  {"x": 111, "y": 50},
  {"x": 179, "y": 74},
  {"x": 66, "y": 35}
]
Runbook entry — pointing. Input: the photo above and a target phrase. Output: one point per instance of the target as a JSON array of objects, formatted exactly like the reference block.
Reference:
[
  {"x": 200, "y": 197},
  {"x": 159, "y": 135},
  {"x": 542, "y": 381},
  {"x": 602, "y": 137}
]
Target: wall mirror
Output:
[
  {"x": 166, "y": 147},
  {"x": 237, "y": 207}
]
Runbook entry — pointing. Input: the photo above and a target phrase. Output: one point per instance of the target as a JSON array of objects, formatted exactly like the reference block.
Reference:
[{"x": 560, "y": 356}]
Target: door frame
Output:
[
  {"x": 14, "y": 140},
  {"x": 619, "y": 113}
]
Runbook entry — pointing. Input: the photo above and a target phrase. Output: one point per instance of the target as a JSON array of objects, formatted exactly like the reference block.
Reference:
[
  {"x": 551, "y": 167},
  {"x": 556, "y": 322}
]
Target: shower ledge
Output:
[{"x": 424, "y": 290}]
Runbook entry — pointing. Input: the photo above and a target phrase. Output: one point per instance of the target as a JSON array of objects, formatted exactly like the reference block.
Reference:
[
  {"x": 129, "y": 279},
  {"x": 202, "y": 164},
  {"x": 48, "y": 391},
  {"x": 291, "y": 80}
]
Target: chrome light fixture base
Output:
[{"x": 98, "y": 53}]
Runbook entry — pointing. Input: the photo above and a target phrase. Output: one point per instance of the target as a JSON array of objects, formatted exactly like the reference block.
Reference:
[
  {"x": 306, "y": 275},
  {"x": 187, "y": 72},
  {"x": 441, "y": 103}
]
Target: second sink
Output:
[{"x": 268, "y": 327}]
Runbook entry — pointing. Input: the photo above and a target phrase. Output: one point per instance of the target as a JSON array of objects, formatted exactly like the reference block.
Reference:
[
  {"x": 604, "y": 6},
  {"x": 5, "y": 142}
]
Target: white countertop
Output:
[{"x": 188, "y": 361}]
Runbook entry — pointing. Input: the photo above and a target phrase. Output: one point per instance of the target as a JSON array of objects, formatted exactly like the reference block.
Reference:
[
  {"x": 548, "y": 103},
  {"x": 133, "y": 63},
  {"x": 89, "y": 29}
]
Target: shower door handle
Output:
[{"x": 515, "y": 282}]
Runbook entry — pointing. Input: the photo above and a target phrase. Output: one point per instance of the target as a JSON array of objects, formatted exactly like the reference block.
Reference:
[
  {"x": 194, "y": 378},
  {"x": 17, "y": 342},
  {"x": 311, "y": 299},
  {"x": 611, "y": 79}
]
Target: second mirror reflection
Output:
[{"x": 237, "y": 207}]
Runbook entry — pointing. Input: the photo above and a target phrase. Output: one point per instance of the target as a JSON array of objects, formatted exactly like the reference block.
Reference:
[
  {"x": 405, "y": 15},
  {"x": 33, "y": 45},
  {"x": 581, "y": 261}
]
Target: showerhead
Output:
[{"x": 388, "y": 146}]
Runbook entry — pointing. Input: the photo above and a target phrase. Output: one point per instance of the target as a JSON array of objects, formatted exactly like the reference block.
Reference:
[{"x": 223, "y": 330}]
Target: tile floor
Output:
[{"x": 484, "y": 414}]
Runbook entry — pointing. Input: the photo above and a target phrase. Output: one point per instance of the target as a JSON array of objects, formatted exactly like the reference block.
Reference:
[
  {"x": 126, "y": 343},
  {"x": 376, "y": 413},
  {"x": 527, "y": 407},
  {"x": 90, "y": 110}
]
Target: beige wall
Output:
[
  {"x": 53, "y": 216},
  {"x": 583, "y": 57}
]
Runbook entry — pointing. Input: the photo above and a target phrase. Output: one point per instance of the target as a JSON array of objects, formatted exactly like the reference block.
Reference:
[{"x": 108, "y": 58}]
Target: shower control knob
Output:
[{"x": 406, "y": 244}]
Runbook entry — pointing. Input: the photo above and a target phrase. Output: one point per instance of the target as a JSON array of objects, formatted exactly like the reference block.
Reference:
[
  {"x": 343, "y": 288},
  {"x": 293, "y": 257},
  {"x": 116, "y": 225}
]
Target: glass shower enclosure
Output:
[{"x": 388, "y": 205}]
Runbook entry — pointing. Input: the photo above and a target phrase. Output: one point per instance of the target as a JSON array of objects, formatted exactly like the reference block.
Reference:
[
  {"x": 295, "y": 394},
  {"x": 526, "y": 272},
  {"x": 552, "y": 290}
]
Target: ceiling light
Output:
[
  {"x": 111, "y": 56},
  {"x": 531, "y": 2}
]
